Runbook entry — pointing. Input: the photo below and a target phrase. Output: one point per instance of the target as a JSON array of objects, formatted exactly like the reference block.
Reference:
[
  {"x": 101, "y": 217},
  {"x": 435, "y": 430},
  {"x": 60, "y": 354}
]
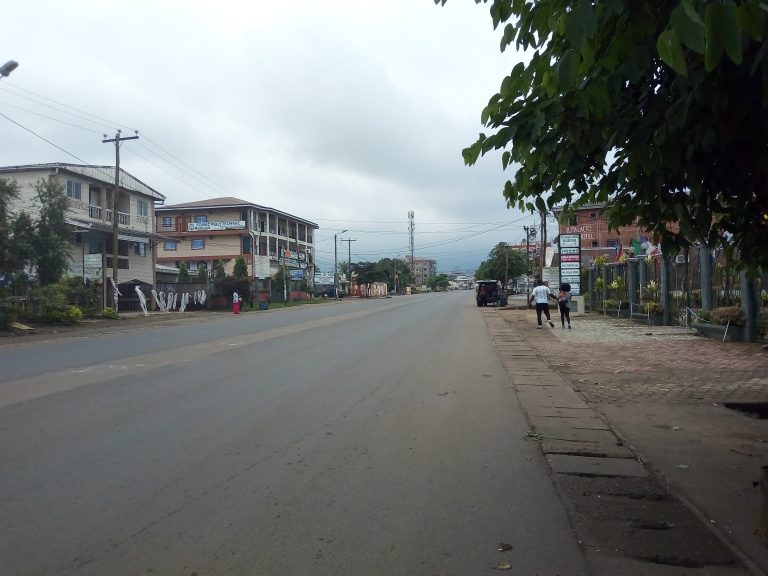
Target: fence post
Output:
[
  {"x": 665, "y": 291},
  {"x": 748, "y": 306},
  {"x": 705, "y": 268},
  {"x": 632, "y": 284}
]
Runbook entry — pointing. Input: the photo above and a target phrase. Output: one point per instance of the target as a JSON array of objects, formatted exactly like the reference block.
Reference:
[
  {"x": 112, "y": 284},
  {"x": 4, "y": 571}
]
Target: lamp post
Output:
[
  {"x": 336, "y": 264},
  {"x": 8, "y": 67}
]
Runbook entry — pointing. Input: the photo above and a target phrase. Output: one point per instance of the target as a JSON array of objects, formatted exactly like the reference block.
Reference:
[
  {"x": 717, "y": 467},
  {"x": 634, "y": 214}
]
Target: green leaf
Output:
[
  {"x": 671, "y": 52},
  {"x": 690, "y": 33},
  {"x": 731, "y": 32},
  {"x": 566, "y": 70},
  {"x": 691, "y": 12},
  {"x": 540, "y": 206},
  {"x": 507, "y": 86},
  {"x": 580, "y": 23},
  {"x": 548, "y": 81},
  {"x": 713, "y": 18},
  {"x": 471, "y": 154},
  {"x": 751, "y": 20}
]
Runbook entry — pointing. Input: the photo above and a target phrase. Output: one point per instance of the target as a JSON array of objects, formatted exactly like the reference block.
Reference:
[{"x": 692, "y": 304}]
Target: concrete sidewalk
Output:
[{"x": 641, "y": 430}]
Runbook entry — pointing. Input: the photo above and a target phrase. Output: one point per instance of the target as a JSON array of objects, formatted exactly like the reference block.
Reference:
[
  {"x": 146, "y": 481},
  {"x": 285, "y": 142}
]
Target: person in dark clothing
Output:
[{"x": 564, "y": 303}]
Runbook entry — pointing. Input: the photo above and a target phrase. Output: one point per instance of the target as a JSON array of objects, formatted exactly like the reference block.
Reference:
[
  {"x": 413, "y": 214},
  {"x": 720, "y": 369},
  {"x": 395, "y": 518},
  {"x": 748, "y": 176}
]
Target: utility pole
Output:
[
  {"x": 528, "y": 265},
  {"x": 115, "y": 194},
  {"x": 349, "y": 259},
  {"x": 336, "y": 264},
  {"x": 543, "y": 242},
  {"x": 411, "y": 228}
]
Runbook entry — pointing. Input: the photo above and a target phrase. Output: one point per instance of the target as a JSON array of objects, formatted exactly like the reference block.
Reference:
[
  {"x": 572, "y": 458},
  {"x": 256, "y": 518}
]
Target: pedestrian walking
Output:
[
  {"x": 235, "y": 302},
  {"x": 564, "y": 303},
  {"x": 541, "y": 294}
]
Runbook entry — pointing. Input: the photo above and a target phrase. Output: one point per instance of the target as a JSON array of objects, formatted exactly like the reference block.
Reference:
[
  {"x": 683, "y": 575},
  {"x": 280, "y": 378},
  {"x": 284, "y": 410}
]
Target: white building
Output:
[{"x": 90, "y": 190}]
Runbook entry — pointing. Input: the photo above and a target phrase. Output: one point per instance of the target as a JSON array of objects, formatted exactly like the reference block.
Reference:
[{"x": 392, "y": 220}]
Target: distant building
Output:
[
  {"x": 423, "y": 269},
  {"x": 202, "y": 233},
  {"x": 591, "y": 223},
  {"x": 90, "y": 192}
]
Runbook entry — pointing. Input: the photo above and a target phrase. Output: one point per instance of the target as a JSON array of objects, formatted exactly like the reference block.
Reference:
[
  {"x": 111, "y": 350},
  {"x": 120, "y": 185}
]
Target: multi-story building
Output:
[
  {"x": 423, "y": 269},
  {"x": 90, "y": 193},
  {"x": 591, "y": 223},
  {"x": 200, "y": 234}
]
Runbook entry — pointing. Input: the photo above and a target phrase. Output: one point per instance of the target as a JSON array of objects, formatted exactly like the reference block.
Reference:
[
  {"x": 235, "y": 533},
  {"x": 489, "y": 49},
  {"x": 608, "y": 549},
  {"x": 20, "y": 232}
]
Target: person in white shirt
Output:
[{"x": 542, "y": 295}]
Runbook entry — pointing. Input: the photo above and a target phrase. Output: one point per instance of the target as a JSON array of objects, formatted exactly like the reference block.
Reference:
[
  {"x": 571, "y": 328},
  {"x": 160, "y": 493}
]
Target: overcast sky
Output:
[{"x": 348, "y": 113}]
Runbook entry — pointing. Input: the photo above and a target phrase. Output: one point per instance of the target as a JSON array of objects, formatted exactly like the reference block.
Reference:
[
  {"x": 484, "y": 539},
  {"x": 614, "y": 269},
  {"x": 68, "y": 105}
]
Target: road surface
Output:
[{"x": 357, "y": 437}]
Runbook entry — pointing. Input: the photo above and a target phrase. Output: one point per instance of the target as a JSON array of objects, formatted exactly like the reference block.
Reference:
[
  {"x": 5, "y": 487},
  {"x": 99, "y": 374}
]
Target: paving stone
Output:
[{"x": 587, "y": 466}]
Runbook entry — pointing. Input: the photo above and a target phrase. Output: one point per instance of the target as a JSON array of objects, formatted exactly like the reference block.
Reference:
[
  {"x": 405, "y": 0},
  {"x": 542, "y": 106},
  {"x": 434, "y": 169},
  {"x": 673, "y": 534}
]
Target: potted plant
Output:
[{"x": 727, "y": 324}]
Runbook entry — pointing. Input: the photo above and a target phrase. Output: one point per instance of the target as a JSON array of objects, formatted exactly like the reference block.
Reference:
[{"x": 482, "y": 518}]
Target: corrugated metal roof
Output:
[
  {"x": 228, "y": 202},
  {"x": 104, "y": 174}
]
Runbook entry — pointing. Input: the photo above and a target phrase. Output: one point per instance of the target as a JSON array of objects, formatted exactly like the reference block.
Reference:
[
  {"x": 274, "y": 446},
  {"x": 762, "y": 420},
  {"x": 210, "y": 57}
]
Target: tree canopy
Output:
[
  {"x": 503, "y": 264},
  {"x": 27, "y": 244},
  {"x": 656, "y": 108},
  {"x": 385, "y": 270}
]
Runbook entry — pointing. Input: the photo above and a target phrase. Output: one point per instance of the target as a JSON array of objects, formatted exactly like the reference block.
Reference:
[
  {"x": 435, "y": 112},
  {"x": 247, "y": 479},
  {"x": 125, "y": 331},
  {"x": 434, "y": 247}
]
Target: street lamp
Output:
[
  {"x": 336, "y": 264},
  {"x": 8, "y": 67}
]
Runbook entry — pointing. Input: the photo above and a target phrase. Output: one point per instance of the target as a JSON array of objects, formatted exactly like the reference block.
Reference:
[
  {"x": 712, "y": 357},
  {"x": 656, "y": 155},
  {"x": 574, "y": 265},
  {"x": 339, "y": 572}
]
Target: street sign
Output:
[{"x": 570, "y": 262}]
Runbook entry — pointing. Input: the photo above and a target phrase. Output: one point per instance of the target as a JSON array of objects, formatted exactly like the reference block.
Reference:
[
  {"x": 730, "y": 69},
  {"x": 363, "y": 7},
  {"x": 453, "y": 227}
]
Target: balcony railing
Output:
[{"x": 123, "y": 219}]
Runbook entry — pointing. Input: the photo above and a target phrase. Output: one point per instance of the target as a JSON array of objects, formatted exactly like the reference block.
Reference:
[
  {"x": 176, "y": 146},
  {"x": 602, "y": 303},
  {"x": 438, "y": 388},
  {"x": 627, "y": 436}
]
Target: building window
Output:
[
  {"x": 201, "y": 219},
  {"x": 594, "y": 243},
  {"x": 572, "y": 221},
  {"x": 613, "y": 243},
  {"x": 74, "y": 190},
  {"x": 593, "y": 214},
  {"x": 169, "y": 246},
  {"x": 140, "y": 248},
  {"x": 198, "y": 244},
  {"x": 167, "y": 221},
  {"x": 142, "y": 207}
]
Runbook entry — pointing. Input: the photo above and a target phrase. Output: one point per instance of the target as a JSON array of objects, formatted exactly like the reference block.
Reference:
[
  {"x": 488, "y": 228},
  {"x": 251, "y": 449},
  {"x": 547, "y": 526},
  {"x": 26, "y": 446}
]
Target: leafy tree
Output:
[
  {"x": 502, "y": 264},
  {"x": 439, "y": 281},
  {"x": 9, "y": 191},
  {"x": 202, "y": 274},
  {"x": 52, "y": 233},
  {"x": 344, "y": 270},
  {"x": 385, "y": 270},
  {"x": 654, "y": 107},
  {"x": 184, "y": 277},
  {"x": 219, "y": 274},
  {"x": 22, "y": 252},
  {"x": 368, "y": 272},
  {"x": 241, "y": 268}
]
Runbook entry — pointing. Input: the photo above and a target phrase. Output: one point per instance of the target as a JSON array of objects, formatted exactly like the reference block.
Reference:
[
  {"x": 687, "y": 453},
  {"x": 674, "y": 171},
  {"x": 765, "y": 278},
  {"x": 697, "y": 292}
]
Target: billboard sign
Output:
[{"x": 570, "y": 262}]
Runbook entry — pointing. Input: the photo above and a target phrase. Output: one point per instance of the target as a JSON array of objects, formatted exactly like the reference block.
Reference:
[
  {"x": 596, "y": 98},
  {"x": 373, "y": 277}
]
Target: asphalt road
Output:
[{"x": 361, "y": 437}]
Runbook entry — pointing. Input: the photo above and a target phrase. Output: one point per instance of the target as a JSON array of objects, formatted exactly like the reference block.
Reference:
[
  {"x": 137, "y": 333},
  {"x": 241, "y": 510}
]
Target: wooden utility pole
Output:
[
  {"x": 115, "y": 194},
  {"x": 527, "y": 265},
  {"x": 349, "y": 260}
]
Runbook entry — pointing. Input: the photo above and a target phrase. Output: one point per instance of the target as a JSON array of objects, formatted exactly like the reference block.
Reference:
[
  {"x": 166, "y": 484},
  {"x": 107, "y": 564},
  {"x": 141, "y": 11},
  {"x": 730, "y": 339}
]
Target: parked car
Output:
[{"x": 489, "y": 293}]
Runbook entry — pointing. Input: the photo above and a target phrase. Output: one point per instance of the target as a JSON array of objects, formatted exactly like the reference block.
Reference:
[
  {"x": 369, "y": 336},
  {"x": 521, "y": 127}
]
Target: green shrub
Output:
[
  {"x": 109, "y": 313},
  {"x": 67, "y": 315},
  {"x": 705, "y": 315},
  {"x": 732, "y": 315},
  {"x": 653, "y": 308},
  {"x": 7, "y": 314}
]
